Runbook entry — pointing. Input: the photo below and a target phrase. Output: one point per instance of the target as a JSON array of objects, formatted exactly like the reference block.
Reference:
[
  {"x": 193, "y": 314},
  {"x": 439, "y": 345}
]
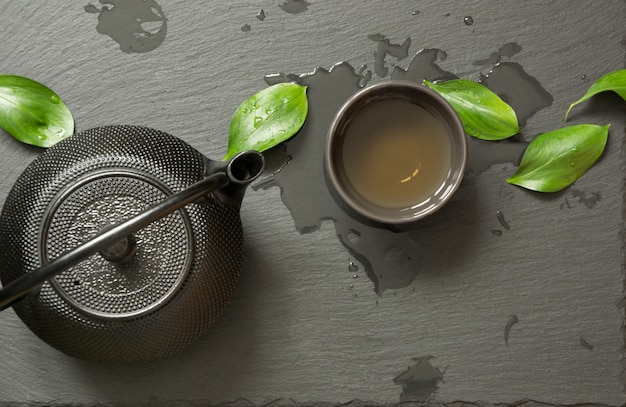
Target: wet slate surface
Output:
[{"x": 522, "y": 306}]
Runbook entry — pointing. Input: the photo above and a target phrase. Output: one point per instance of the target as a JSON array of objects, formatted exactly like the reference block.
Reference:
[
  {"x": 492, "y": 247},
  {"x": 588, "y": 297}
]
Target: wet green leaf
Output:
[
  {"x": 554, "y": 160},
  {"x": 483, "y": 113},
  {"x": 613, "y": 81},
  {"x": 267, "y": 118},
  {"x": 33, "y": 113}
]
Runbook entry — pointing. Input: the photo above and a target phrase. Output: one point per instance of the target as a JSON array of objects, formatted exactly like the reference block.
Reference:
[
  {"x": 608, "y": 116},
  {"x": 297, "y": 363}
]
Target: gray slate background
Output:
[{"x": 300, "y": 327}]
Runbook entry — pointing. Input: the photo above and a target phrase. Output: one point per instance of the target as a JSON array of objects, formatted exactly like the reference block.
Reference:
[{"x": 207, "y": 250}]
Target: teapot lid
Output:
[{"x": 158, "y": 257}]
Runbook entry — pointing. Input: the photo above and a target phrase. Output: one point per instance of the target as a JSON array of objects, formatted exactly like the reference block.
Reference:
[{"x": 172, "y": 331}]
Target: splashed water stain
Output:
[
  {"x": 295, "y": 6},
  {"x": 516, "y": 87},
  {"x": 481, "y": 154},
  {"x": 509, "y": 324},
  {"x": 502, "y": 221},
  {"x": 311, "y": 202},
  {"x": 585, "y": 344},
  {"x": 588, "y": 200},
  {"x": 419, "y": 381},
  {"x": 138, "y": 26},
  {"x": 507, "y": 50},
  {"x": 390, "y": 258},
  {"x": 385, "y": 47}
]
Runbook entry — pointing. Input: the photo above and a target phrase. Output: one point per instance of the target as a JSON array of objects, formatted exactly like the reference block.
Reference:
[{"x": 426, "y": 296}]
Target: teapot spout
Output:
[{"x": 241, "y": 170}]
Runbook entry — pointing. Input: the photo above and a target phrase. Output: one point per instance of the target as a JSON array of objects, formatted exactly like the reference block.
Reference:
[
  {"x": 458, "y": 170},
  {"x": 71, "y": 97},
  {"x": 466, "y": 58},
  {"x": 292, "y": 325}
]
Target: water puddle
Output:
[
  {"x": 419, "y": 381},
  {"x": 136, "y": 25},
  {"x": 391, "y": 258}
]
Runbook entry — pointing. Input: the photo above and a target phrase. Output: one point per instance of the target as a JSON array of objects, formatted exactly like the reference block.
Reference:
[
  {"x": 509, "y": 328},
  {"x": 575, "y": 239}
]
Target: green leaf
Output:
[
  {"x": 267, "y": 118},
  {"x": 613, "y": 81},
  {"x": 554, "y": 160},
  {"x": 33, "y": 113},
  {"x": 483, "y": 113}
]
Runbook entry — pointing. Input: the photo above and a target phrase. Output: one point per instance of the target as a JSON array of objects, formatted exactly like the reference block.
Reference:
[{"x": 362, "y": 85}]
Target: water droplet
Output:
[
  {"x": 245, "y": 28},
  {"x": 55, "y": 99},
  {"x": 355, "y": 276},
  {"x": 572, "y": 164},
  {"x": 353, "y": 266},
  {"x": 496, "y": 232},
  {"x": 261, "y": 15},
  {"x": 469, "y": 20},
  {"x": 415, "y": 13},
  {"x": 364, "y": 79},
  {"x": 295, "y": 6},
  {"x": 585, "y": 344},
  {"x": 447, "y": 15},
  {"x": 269, "y": 111},
  {"x": 42, "y": 137},
  {"x": 257, "y": 121},
  {"x": 353, "y": 237},
  {"x": 583, "y": 77}
]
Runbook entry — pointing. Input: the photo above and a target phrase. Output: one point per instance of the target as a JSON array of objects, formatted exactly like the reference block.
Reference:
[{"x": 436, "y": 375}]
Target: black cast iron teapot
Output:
[{"x": 123, "y": 244}]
